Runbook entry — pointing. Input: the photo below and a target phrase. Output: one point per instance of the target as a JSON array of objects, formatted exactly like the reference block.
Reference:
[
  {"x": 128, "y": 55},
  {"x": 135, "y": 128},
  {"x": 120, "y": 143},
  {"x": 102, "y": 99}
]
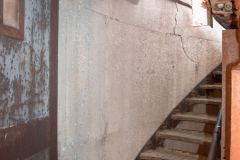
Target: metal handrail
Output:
[{"x": 212, "y": 155}]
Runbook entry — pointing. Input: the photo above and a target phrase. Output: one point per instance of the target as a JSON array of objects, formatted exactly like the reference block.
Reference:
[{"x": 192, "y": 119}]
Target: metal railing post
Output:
[{"x": 212, "y": 155}]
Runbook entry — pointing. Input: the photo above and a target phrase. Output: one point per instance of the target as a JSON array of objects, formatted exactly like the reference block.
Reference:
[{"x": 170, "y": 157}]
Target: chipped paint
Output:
[{"x": 24, "y": 68}]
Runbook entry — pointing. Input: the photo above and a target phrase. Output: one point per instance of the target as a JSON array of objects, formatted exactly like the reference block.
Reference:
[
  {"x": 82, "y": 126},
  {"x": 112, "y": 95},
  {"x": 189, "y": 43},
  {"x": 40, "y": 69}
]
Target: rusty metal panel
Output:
[
  {"x": 28, "y": 103},
  {"x": 230, "y": 58},
  {"x": 24, "y": 70},
  {"x": 24, "y": 140}
]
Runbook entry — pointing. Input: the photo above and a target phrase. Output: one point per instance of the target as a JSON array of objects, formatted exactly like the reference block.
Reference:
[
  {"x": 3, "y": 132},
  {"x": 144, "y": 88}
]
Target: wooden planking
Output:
[
  {"x": 210, "y": 86},
  {"x": 185, "y": 136},
  {"x": 203, "y": 100},
  {"x": 168, "y": 154},
  {"x": 201, "y": 118}
]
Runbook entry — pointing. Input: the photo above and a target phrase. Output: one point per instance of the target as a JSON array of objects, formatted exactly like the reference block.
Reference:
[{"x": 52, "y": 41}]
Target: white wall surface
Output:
[{"x": 122, "y": 68}]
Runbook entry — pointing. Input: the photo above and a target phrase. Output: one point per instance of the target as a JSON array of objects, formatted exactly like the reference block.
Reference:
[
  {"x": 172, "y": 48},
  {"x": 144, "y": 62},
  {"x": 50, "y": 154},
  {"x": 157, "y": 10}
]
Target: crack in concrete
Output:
[
  {"x": 184, "y": 51},
  {"x": 174, "y": 29},
  {"x": 154, "y": 31},
  {"x": 151, "y": 30},
  {"x": 174, "y": 32}
]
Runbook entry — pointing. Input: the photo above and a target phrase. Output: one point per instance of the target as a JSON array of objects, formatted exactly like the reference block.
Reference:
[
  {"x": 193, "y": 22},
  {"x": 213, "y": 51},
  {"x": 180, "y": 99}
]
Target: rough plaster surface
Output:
[
  {"x": 24, "y": 68},
  {"x": 123, "y": 67}
]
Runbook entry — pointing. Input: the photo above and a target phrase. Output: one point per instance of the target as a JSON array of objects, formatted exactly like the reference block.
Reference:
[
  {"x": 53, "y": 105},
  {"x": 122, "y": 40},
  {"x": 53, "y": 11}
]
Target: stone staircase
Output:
[{"x": 187, "y": 132}]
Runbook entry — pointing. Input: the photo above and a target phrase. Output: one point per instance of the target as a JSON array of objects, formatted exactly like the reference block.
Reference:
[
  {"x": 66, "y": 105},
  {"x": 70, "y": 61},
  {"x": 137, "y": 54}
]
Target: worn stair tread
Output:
[
  {"x": 168, "y": 154},
  {"x": 201, "y": 118},
  {"x": 210, "y": 86},
  {"x": 185, "y": 136},
  {"x": 204, "y": 100},
  {"x": 218, "y": 72}
]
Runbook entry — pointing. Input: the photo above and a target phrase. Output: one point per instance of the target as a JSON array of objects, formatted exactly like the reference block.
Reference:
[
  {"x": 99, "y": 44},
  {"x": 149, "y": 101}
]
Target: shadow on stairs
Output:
[{"x": 187, "y": 131}]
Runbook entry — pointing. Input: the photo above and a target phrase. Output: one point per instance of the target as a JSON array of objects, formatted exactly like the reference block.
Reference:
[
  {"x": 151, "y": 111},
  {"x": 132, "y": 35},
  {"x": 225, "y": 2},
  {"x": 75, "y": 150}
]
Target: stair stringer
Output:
[{"x": 168, "y": 123}]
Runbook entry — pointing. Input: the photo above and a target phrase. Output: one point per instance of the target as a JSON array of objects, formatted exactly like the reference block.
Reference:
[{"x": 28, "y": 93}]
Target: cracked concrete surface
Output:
[
  {"x": 122, "y": 68},
  {"x": 184, "y": 51},
  {"x": 174, "y": 31}
]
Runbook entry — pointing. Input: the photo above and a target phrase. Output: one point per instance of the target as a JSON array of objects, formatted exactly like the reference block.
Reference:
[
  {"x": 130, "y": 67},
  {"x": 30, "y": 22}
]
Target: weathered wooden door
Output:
[{"x": 28, "y": 79}]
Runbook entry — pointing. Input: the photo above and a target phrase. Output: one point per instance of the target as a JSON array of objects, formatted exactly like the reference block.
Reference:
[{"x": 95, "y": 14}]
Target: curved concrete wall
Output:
[{"x": 122, "y": 68}]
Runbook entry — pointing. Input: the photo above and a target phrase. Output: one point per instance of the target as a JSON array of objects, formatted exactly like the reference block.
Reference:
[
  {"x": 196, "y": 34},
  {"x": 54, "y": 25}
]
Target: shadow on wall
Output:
[{"x": 133, "y": 1}]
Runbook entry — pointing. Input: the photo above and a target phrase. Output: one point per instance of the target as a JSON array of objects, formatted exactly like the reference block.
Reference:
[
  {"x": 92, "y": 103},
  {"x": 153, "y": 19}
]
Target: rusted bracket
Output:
[{"x": 223, "y": 8}]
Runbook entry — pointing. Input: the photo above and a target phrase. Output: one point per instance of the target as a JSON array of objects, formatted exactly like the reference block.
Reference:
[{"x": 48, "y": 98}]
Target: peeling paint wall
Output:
[
  {"x": 123, "y": 66},
  {"x": 24, "y": 69}
]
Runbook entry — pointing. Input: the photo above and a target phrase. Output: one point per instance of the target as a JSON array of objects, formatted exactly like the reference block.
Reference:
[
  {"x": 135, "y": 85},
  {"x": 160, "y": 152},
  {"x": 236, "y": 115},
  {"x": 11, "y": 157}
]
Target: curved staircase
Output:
[{"x": 187, "y": 132}]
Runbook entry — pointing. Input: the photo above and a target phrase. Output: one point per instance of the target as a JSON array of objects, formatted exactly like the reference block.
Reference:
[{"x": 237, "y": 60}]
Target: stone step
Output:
[
  {"x": 210, "y": 86},
  {"x": 168, "y": 154},
  {"x": 218, "y": 72},
  {"x": 203, "y": 100},
  {"x": 201, "y": 118},
  {"x": 185, "y": 136}
]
